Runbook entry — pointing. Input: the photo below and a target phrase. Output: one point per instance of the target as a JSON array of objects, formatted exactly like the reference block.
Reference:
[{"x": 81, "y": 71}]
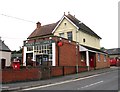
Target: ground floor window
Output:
[{"x": 45, "y": 49}]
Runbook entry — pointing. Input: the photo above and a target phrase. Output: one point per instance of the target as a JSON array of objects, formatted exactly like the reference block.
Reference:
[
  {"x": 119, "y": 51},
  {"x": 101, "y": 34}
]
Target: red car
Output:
[{"x": 113, "y": 61}]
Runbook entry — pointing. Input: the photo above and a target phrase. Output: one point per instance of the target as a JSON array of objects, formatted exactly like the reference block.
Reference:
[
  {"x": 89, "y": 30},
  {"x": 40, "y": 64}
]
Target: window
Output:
[
  {"x": 61, "y": 35},
  {"x": 84, "y": 40},
  {"x": 44, "y": 49},
  {"x": 30, "y": 48},
  {"x": 65, "y": 24},
  {"x": 98, "y": 57},
  {"x": 104, "y": 58},
  {"x": 69, "y": 35}
]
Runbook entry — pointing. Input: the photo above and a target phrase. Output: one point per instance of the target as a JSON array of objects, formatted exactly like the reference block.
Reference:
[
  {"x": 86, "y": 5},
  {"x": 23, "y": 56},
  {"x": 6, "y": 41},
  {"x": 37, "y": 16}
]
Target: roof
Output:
[
  {"x": 93, "y": 49},
  {"x": 48, "y": 29},
  {"x": 43, "y": 30},
  {"x": 4, "y": 47},
  {"x": 114, "y": 51},
  {"x": 82, "y": 26}
]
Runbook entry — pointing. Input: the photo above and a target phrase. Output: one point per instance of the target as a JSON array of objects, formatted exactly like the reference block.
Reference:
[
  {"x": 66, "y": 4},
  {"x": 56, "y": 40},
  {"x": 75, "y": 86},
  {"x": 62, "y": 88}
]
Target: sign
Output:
[{"x": 39, "y": 43}]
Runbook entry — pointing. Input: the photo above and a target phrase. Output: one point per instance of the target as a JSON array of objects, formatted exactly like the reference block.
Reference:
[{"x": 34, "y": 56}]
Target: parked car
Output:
[{"x": 113, "y": 62}]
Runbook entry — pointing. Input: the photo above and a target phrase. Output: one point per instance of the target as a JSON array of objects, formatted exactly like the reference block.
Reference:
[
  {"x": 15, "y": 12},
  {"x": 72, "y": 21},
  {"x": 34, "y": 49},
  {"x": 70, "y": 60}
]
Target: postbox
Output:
[{"x": 16, "y": 64}]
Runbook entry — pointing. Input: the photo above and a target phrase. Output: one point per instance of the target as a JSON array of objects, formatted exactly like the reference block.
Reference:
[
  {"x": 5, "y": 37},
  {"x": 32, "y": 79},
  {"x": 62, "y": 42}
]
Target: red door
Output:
[{"x": 92, "y": 60}]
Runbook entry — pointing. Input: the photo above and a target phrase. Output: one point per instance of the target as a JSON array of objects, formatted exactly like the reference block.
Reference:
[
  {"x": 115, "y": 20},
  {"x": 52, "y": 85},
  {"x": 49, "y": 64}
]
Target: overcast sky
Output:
[{"x": 18, "y": 18}]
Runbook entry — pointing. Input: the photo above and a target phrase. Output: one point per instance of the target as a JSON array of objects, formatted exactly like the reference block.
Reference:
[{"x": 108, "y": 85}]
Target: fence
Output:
[{"x": 37, "y": 73}]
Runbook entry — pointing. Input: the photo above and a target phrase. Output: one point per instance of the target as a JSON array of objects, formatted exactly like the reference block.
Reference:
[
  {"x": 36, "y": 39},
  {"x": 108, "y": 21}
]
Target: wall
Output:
[
  {"x": 10, "y": 75},
  {"x": 67, "y": 55},
  {"x": 66, "y": 28},
  {"x": 102, "y": 63},
  {"x": 89, "y": 40},
  {"x": 79, "y": 36},
  {"x": 37, "y": 73},
  {"x": 7, "y": 56}
]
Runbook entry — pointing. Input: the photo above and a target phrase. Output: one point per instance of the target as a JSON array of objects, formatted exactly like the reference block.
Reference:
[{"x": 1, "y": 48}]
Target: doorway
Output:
[
  {"x": 92, "y": 60},
  {"x": 42, "y": 59}
]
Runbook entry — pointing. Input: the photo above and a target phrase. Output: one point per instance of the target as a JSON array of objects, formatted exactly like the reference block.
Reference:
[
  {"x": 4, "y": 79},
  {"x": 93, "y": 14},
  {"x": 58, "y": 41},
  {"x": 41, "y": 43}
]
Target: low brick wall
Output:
[
  {"x": 37, "y": 73},
  {"x": 56, "y": 71},
  {"x": 69, "y": 70},
  {"x": 82, "y": 69},
  {"x": 10, "y": 75}
]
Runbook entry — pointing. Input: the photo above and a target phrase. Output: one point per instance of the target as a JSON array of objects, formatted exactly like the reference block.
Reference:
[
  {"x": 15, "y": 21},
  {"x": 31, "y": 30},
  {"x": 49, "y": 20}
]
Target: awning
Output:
[{"x": 91, "y": 49}]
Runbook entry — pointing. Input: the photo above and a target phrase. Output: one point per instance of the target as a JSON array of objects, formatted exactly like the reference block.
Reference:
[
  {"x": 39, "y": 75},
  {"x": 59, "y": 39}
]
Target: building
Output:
[
  {"x": 5, "y": 54},
  {"x": 113, "y": 53},
  {"x": 68, "y": 42}
]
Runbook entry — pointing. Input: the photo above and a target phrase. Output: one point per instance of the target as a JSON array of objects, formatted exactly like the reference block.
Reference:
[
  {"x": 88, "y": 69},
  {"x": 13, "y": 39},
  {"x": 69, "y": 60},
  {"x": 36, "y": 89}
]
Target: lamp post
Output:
[{"x": 76, "y": 52}]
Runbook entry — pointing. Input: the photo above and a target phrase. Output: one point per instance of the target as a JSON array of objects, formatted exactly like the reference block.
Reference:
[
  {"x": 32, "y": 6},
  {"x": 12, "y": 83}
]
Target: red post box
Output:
[{"x": 16, "y": 64}]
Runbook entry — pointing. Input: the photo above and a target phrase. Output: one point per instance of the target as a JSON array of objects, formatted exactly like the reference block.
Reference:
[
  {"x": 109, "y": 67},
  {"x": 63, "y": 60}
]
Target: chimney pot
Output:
[{"x": 38, "y": 24}]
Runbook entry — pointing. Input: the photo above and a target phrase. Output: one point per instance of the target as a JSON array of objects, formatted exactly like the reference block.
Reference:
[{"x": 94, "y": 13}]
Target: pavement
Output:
[{"x": 23, "y": 85}]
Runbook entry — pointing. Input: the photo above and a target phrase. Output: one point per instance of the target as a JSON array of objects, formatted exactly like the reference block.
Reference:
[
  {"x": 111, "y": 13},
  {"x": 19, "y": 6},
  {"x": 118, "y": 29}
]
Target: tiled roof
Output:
[
  {"x": 82, "y": 26},
  {"x": 47, "y": 29},
  {"x": 4, "y": 47},
  {"x": 114, "y": 51},
  {"x": 43, "y": 30}
]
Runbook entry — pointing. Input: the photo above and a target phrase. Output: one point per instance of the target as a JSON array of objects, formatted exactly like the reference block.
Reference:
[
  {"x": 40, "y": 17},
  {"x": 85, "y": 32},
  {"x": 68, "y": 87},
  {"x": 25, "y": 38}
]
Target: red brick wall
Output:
[
  {"x": 67, "y": 54},
  {"x": 102, "y": 63},
  {"x": 56, "y": 71},
  {"x": 82, "y": 69},
  {"x": 10, "y": 75},
  {"x": 69, "y": 70}
]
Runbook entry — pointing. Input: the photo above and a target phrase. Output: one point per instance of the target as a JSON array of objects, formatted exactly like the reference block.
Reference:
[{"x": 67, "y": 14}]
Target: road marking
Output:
[
  {"x": 91, "y": 84},
  {"x": 4, "y": 87},
  {"x": 63, "y": 82}
]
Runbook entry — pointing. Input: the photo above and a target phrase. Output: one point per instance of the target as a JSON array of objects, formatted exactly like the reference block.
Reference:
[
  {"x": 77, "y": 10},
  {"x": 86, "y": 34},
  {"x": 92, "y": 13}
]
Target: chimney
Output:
[
  {"x": 38, "y": 24},
  {"x": 64, "y": 13},
  {"x": 68, "y": 12}
]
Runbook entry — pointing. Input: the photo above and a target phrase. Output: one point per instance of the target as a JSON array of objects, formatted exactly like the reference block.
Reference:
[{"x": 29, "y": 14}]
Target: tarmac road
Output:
[{"x": 103, "y": 81}]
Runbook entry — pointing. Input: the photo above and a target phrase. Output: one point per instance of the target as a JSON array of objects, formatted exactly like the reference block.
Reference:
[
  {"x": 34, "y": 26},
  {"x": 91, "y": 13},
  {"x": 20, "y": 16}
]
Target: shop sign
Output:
[{"x": 39, "y": 43}]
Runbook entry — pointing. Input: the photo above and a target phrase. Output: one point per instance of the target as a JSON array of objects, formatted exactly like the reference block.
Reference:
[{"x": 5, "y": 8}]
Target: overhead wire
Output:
[{"x": 16, "y": 18}]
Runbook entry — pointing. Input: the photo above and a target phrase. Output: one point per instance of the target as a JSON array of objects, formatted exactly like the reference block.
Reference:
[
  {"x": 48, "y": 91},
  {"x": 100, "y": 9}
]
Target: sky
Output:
[{"x": 18, "y": 18}]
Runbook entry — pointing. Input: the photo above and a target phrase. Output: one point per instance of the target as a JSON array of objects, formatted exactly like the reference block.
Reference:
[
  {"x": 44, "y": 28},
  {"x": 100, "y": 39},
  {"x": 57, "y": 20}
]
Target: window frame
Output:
[
  {"x": 60, "y": 34},
  {"x": 98, "y": 57},
  {"x": 70, "y": 35}
]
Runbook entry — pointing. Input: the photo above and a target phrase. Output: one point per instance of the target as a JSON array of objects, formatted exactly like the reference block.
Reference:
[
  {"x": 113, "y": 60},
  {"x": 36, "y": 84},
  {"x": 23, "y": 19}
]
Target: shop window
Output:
[
  {"x": 98, "y": 57},
  {"x": 44, "y": 49},
  {"x": 30, "y": 48},
  {"x": 83, "y": 58},
  {"x": 69, "y": 35}
]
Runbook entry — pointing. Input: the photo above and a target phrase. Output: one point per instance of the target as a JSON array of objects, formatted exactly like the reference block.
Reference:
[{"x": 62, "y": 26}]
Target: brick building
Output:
[{"x": 68, "y": 42}]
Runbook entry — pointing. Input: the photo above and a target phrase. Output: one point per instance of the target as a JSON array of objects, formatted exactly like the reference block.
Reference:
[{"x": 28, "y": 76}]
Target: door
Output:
[
  {"x": 92, "y": 61},
  {"x": 42, "y": 59}
]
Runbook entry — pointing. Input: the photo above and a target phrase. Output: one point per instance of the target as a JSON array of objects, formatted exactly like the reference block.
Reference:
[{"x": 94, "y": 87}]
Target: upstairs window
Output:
[
  {"x": 61, "y": 35},
  {"x": 69, "y": 35},
  {"x": 84, "y": 40}
]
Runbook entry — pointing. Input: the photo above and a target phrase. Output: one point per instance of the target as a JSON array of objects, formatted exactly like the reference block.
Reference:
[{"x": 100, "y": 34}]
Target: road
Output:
[{"x": 103, "y": 81}]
